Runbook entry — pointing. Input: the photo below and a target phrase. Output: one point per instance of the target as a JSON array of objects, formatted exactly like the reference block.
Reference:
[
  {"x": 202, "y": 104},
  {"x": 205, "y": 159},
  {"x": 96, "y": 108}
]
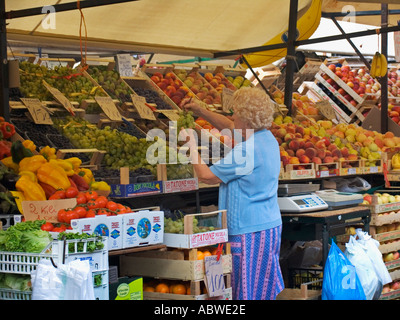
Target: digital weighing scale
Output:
[
  {"x": 336, "y": 199},
  {"x": 300, "y": 198}
]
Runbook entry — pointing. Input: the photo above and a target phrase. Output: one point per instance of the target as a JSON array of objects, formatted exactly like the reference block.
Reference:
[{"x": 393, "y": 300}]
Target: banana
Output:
[
  {"x": 384, "y": 65},
  {"x": 373, "y": 66}
]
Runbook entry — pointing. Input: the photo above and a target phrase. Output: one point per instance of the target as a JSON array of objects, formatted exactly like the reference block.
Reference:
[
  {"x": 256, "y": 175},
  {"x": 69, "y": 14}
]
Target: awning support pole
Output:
[
  {"x": 352, "y": 43},
  {"x": 384, "y": 80},
  {"x": 291, "y": 55},
  {"x": 256, "y": 76},
  {"x": 4, "y": 80}
]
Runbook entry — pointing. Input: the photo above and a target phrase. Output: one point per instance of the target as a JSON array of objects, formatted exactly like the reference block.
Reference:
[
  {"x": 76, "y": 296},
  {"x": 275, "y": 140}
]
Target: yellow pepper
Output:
[
  {"x": 32, "y": 190},
  {"x": 9, "y": 163},
  {"x": 32, "y": 163},
  {"x": 29, "y": 145},
  {"x": 18, "y": 197},
  {"x": 48, "y": 152},
  {"x": 53, "y": 175},
  {"x": 86, "y": 174},
  {"x": 75, "y": 161},
  {"x": 396, "y": 161},
  {"x": 100, "y": 185},
  {"x": 66, "y": 165},
  {"x": 29, "y": 174}
]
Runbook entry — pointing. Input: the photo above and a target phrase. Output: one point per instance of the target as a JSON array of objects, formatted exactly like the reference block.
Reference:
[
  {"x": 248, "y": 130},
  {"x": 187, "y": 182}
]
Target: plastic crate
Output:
[
  {"x": 9, "y": 294},
  {"x": 18, "y": 262},
  {"x": 298, "y": 276}
]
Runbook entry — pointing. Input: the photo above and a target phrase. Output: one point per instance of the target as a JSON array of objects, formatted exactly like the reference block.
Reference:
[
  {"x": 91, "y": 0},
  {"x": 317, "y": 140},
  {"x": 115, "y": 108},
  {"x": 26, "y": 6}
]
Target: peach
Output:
[
  {"x": 310, "y": 152},
  {"x": 300, "y": 152},
  {"x": 294, "y": 145},
  {"x": 352, "y": 157},
  {"x": 336, "y": 153},
  {"x": 345, "y": 152},
  {"x": 304, "y": 159},
  {"x": 281, "y": 133},
  {"x": 317, "y": 160},
  {"x": 321, "y": 153},
  {"x": 294, "y": 160},
  {"x": 320, "y": 144},
  {"x": 388, "y": 134},
  {"x": 328, "y": 160}
]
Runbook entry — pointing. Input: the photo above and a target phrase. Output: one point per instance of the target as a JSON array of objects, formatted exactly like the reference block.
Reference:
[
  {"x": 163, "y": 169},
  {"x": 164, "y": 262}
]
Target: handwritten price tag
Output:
[
  {"x": 39, "y": 114},
  {"x": 170, "y": 114},
  {"x": 227, "y": 98},
  {"x": 214, "y": 277},
  {"x": 109, "y": 108},
  {"x": 60, "y": 98},
  {"x": 46, "y": 210},
  {"x": 124, "y": 65},
  {"x": 144, "y": 111}
]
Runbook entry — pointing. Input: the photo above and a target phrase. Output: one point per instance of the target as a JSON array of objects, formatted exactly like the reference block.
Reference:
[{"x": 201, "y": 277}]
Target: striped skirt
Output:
[{"x": 256, "y": 273}]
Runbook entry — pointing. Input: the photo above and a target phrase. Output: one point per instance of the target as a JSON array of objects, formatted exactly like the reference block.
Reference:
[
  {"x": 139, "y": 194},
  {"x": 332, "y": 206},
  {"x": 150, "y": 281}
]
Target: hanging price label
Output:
[
  {"x": 60, "y": 98},
  {"x": 38, "y": 113},
  {"x": 109, "y": 108},
  {"x": 214, "y": 277},
  {"x": 170, "y": 114},
  {"x": 227, "y": 98},
  {"x": 140, "y": 105}
]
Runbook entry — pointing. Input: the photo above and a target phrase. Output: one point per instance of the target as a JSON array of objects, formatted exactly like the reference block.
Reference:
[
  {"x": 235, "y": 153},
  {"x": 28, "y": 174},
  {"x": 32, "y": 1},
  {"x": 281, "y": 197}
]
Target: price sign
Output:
[
  {"x": 214, "y": 277},
  {"x": 39, "y": 114},
  {"x": 227, "y": 98},
  {"x": 109, "y": 108},
  {"x": 326, "y": 109},
  {"x": 170, "y": 114},
  {"x": 60, "y": 98},
  {"x": 396, "y": 40},
  {"x": 125, "y": 65},
  {"x": 144, "y": 111},
  {"x": 46, "y": 210}
]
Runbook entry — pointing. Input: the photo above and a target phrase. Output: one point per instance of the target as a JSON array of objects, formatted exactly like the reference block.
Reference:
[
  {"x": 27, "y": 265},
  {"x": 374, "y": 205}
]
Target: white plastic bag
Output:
[
  {"x": 364, "y": 268},
  {"x": 371, "y": 247},
  {"x": 72, "y": 281}
]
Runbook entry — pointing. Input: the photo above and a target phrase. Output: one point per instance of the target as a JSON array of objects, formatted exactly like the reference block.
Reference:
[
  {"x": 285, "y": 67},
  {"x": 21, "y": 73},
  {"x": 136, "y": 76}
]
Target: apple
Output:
[{"x": 396, "y": 255}]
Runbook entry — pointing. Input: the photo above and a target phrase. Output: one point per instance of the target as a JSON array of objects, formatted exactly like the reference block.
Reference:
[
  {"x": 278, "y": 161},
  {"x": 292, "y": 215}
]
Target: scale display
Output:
[{"x": 301, "y": 203}]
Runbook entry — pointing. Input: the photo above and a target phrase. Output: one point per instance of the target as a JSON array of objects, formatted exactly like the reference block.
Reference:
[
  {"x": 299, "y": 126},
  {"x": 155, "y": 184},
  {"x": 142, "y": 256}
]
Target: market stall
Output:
[{"x": 89, "y": 126}]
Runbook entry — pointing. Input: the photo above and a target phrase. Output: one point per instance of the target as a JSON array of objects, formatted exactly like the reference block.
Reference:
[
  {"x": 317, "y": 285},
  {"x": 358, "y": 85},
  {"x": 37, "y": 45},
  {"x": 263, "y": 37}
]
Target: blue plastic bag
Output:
[{"x": 340, "y": 280}]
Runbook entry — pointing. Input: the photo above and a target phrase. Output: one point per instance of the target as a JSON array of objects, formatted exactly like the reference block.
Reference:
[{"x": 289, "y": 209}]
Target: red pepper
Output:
[
  {"x": 73, "y": 184},
  {"x": 7, "y": 129},
  {"x": 48, "y": 189},
  {"x": 5, "y": 149},
  {"x": 81, "y": 184}
]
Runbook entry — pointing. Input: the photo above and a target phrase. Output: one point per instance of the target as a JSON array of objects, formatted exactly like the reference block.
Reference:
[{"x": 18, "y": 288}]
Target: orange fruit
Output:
[
  {"x": 179, "y": 289},
  {"x": 162, "y": 288},
  {"x": 200, "y": 255},
  {"x": 187, "y": 289},
  {"x": 206, "y": 253},
  {"x": 149, "y": 289}
]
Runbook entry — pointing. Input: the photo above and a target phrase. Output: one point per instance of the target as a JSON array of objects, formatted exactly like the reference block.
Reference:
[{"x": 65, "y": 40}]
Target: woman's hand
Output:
[{"x": 188, "y": 104}]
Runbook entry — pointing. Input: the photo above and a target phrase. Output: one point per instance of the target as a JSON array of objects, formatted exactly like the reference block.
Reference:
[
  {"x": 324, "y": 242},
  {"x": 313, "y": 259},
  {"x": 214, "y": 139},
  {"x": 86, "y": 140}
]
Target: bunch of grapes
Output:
[
  {"x": 186, "y": 120},
  {"x": 123, "y": 150},
  {"x": 177, "y": 226}
]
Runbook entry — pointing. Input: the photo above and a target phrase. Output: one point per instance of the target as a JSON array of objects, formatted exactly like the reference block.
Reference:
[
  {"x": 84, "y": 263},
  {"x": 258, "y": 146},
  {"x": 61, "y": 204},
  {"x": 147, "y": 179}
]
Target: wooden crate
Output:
[
  {"x": 355, "y": 167},
  {"x": 301, "y": 294},
  {"x": 324, "y": 170},
  {"x": 267, "y": 75},
  {"x": 367, "y": 169},
  {"x": 299, "y": 171},
  {"x": 95, "y": 160},
  {"x": 190, "y": 240},
  {"x": 180, "y": 264}
]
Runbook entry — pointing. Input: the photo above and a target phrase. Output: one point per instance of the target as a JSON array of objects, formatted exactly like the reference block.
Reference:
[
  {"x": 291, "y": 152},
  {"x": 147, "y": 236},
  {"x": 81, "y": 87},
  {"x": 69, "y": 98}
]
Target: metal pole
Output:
[
  {"x": 384, "y": 79},
  {"x": 291, "y": 54},
  {"x": 62, "y": 7},
  {"x": 351, "y": 43},
  {"x": 4, "y": 81}
]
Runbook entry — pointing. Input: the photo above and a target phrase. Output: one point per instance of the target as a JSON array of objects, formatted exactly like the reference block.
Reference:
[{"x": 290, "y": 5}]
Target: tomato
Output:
[
  {"x": 91, "y": 213},
  {"x": 48, "y": 226},
  {"x": 121, "y": 206},
  {"x": 71, "y": 214},
  {"x": 121, "y": 211},
  {"x": 54, "y": 197},
  {"x": 71, "y": 192},
  {"x": 128, "y": 210},
  {"x": 101, "y": 202},
  {"x": 81, "y": 198},
  {"x": 91, "y": 195},
  {"x": 58, "y": 229},
  {"x": 103, "y": 211},
  {"x": 111, "y": 205},
  {"x": 81, "y": 211},
  {"x": 60, "y": 193},
  {"x": 91, "y": 204},
  {"x": 61, "y": 215}
]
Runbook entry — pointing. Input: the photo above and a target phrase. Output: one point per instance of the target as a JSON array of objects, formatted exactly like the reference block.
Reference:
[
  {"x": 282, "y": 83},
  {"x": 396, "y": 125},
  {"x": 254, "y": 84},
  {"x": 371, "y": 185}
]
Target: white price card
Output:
[
  {"x": 109, "y": 108},
  {"x": 125, "y": 65},
  {"x": 227, "y": 98},
  {"x": 39, "y": 114},
  {"x": 140, "y": 105},
  {"x": 170, "y": 114},
  {"x": 214, "y": 277},
  {"x": 46, "y": 210}
]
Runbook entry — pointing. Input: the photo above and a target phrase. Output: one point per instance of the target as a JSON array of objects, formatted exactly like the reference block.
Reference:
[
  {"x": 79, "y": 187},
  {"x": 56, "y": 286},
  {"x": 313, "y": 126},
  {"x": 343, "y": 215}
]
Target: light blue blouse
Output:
[{"x": 248, "y": 191}]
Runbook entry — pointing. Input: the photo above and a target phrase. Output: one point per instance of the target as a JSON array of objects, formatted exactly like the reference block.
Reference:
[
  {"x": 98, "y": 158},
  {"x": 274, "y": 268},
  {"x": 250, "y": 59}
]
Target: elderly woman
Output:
[{"x": 248, "y": 178}]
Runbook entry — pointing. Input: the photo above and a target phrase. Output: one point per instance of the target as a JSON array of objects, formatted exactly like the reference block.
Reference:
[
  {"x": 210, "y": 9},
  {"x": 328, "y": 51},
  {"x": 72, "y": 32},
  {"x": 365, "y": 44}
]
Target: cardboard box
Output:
[
  {"x": 127, "y": 288},
  {"x": 107, "y": 226},
  {"x": 136, "y": 189},
  {"x": 142, "y": 228}
]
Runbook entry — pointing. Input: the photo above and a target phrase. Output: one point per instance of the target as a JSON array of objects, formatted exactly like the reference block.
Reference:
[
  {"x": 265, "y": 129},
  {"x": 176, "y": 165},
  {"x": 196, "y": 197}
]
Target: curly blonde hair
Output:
[{"x": 254, "y": 106}]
